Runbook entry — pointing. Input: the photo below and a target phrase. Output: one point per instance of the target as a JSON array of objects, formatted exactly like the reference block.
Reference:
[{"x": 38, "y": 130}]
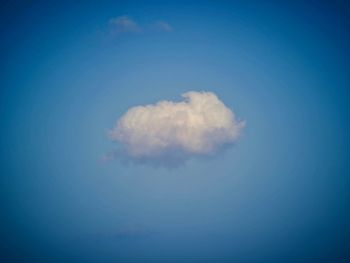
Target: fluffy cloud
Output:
[{"x": 199, "y": 125}]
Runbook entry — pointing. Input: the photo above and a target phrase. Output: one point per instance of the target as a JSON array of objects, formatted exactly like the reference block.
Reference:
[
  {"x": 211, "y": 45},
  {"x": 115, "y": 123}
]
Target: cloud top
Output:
[{"x": 199, "y": 125}]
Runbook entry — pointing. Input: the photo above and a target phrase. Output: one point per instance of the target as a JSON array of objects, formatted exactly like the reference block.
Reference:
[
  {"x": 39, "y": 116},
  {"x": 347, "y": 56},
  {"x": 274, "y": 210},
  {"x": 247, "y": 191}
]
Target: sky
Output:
[{"x": 265, "y": 178}]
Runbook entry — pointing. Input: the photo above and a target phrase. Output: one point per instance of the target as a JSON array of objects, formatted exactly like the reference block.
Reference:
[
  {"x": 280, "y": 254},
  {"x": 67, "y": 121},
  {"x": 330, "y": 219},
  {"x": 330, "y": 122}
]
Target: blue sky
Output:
[{"x": 281, "y": 194}]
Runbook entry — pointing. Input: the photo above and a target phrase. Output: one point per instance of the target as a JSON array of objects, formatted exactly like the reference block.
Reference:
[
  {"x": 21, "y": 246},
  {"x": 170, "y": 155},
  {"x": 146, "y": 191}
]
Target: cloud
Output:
[
  {"x": 168, "y": 133},
  {"x": 126, "y": 25},
  {"x": 161, "y": 26},
  {"x": 122, "y": 24}
]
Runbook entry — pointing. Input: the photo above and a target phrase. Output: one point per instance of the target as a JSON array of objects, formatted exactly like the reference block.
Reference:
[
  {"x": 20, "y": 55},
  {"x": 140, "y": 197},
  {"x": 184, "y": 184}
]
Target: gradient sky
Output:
[{"x": 281, "y": 194}]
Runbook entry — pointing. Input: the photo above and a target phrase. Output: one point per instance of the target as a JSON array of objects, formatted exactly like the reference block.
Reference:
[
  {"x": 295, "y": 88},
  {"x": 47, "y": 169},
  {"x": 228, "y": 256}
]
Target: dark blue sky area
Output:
[{"x": 280, "y": 194}]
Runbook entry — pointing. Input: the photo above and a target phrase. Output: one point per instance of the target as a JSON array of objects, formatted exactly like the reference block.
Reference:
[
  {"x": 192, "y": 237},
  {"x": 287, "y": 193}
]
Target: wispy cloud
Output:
[
  {"x": 161, "y": 26},
  {"x": 121, "y": 25},
  {"x": 168, "y": 133}
]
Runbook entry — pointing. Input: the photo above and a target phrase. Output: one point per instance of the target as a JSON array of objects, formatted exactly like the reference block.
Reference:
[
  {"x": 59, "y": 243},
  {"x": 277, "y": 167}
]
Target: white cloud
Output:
[
  {"x": 122, "y": 24},
  {"x": 162, "y": 26},
  {"x": 199, "y": 125}
]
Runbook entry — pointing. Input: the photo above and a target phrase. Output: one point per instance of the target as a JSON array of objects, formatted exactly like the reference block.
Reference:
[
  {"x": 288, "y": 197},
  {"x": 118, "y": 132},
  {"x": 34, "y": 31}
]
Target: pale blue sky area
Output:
[{"x": 281, "y": 194}]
